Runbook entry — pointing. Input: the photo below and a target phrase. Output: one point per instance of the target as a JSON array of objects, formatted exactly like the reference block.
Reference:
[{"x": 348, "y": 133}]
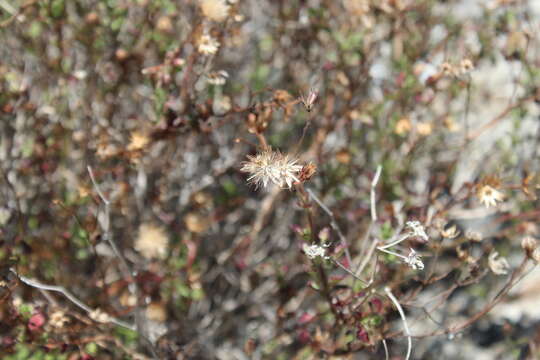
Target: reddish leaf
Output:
[
  {"x": 362, "y": 334},
  {"x": 377, "y": 304},
  {"x": 304, "y": 336}
]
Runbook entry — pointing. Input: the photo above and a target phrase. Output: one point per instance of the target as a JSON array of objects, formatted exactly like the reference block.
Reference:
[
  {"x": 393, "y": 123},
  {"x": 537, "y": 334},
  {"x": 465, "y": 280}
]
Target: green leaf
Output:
[
  {"x": 35, "y": 29},
  {"x": 91, "y": 349},
  {"x": 116, "y": 24},
  {"x": 26, "y": 310},
  {"x": 57, "y": 8}
]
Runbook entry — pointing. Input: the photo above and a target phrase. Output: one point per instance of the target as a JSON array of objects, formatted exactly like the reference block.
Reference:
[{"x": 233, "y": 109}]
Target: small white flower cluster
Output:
[
  {"x": 58, "y": 319},
  {"x": 417, "y": 229},
  {"x": 313, "y": 251},
  {"x": 413, "y": 259},
  {"x": 99, "y": 316}
]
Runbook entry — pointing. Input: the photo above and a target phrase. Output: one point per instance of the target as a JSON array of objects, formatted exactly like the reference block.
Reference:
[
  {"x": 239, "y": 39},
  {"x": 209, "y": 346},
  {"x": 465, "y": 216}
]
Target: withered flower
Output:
[
  {"x": 309, "y": 100},
  {"x": 414, "y": 260},
  {"x": 498, "y": 265},
  {"x": 207, "y": 45},
  {"x": 488, "y": 193},
  {"x": 271, "y": 166},
  {"x": 216, "y": 10},
  {"x": 138, "y": 141},
  {"x": 152, "y": 241},
  {"x": 307, "y": 172}
]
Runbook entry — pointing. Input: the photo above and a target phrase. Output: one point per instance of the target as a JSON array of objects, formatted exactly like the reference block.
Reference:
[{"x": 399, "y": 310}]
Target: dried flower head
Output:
[
  {"x": 499, "y": 266},
  {"x": 488, "y": 193},
  {"x": 271, "y": 166},
  {"x": 99, "y": 316},
  {"x": 403, "y": 126},
  {"x": 417, "y": 229},
  {"x": 222, "y": 104},
  {"x": 463, "y": 68},
  {"x": 307, "y": 172},
  {"x": 314, "y": 250},
  {"x": 424, "y": 128},
  {"x": 450, "y": 124},
  {"x": 105, "y": 150},
  {"x": 258, "y": 120},
  {"x": 529, "y": 244},
  {"x": 58, "y": 319},
  {"x": 156, "y": 312},
  {"x": 414, "y": 260},
  {"x": 466, "y": 66},
  {"x": 164, "y": 24},
  {"x": 309, "y": 100},
  {"x": 216, "y": 10},
  {"x": 283, "y": 96},
  {"x": 207, "y": 45},
  {"x": 462, "y": 252},
  {"x": 152, "y": 241},
  {"x": 447, "y": 69},
  {"x": 138, "y": 141},
  {"x": 196, "y": 223},
  {"x": 472, "y": 235},
  {"x": 450, "y": 232},
  {"x": 217, "y": 77}
]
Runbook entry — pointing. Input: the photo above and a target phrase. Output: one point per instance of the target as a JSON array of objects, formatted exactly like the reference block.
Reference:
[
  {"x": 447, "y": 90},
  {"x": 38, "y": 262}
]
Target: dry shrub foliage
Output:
[{"x": 165, "y": 99}]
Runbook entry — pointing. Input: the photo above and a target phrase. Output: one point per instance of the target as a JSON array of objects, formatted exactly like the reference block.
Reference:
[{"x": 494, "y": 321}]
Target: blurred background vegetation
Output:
[{"x": 161, "y": 101}]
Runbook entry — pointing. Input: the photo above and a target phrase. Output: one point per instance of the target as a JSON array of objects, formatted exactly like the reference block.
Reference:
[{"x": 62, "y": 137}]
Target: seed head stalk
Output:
[{"x": 306, "y": 203}]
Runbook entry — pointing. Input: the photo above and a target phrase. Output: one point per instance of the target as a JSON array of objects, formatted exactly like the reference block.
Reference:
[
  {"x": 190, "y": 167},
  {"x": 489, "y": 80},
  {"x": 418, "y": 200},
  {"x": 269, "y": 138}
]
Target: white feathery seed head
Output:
[{"x": 271, "y": 167}]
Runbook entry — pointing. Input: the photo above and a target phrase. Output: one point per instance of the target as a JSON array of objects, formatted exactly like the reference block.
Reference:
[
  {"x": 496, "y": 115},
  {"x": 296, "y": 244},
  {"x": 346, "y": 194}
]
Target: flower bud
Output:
[{"x": 529, "y": 244}]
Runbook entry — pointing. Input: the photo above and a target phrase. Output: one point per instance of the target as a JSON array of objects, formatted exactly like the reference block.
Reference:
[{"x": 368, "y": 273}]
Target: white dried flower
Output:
[
  {"x": 271, "y": 166},
  {"x": 138, "y": 141},
  {"x": 58, "y": 319},
  {"x": 417, "y": 229},
  {"x": 222, "y": 104},
  {"x": 217, "y": 77},
  {"x": 414, "y": 260},
  {"x": 466, "y": 66},
  {"x": 309, "y": 100},
  {"x": 208, "y": 45},
  {"x": 529, "y": 244},
  {"x": 99, "y": 316},
  {"x": 489, "y": 196},
  {"x": 448, "y": 69},
  {"x": 499, "y": 266},
  {"x": 450, "y": 233},
  {"x": 473, "y": 235},
  {"x": 152, "y": 241},
  {"x": 216, "y": 10},
  {"x": 314, "y": 250}
]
